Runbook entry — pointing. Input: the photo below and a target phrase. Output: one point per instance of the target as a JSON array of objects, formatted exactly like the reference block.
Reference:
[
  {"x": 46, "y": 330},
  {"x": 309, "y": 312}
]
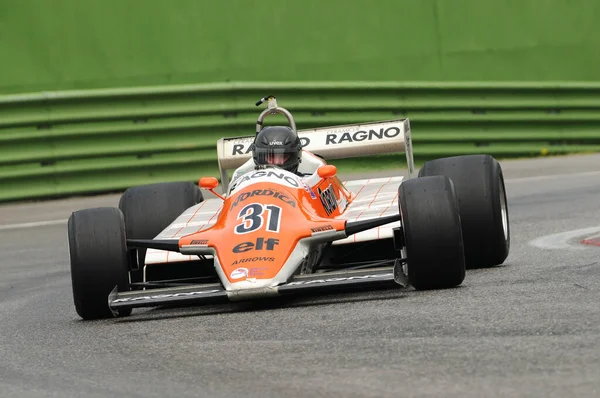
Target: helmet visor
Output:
[
  {"x": 276, "y": 158},
  {"x": 273, "y": 156},
  {"x": 279, "y": 157}
]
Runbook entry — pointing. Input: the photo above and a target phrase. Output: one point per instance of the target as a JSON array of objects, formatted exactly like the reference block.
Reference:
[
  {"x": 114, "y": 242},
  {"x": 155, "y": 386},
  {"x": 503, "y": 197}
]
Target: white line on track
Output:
[
  {"x": 564, "y": 240},
  {"x": 32, "y": 224}
]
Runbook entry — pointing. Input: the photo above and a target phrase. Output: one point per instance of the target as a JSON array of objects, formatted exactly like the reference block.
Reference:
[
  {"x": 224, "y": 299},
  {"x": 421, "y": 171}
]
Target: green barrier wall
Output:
[
  {"x": 64, "y": 143},
  {"x": 74, "y": 44}
]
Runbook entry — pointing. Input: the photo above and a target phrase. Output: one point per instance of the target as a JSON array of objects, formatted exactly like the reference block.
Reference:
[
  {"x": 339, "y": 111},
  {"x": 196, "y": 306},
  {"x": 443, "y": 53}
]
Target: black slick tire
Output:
[
  {"x": 99, "y": 260},
  {"x": 149, "y": 209},
  {"x": 432, "y": 233},
  {"x": 479, "y": 186}
]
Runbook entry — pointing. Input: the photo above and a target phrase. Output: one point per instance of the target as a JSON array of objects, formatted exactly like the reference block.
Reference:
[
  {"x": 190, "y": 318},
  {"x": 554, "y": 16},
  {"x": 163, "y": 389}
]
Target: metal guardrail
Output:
[{"x": 74, "y": 142}]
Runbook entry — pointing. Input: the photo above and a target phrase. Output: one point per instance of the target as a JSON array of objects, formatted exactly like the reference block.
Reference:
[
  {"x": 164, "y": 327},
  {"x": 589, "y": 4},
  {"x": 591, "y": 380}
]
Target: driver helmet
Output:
[{"x": 277, "y": 146}]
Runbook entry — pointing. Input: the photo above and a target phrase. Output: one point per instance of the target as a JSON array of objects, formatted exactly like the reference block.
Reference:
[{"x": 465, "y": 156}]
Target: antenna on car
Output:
[{"x": 272, "y": 101}]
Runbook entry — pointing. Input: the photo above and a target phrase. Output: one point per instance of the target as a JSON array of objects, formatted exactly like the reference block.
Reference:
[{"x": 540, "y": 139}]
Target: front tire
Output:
[
  {"x": 149, "y": 209},
  {"x": 432, "y": 233},
  {"x": 99, "y": 260}
]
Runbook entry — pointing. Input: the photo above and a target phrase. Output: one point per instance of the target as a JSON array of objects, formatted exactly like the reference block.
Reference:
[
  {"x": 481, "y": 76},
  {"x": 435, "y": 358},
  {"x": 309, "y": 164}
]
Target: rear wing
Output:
[{"x": 333, "y": 142}]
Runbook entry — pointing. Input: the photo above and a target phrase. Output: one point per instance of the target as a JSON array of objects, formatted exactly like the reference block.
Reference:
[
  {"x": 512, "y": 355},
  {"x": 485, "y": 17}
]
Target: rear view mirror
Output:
[
  {"x": 327, "y": 171},
  {"x": 210, "y": 183}
]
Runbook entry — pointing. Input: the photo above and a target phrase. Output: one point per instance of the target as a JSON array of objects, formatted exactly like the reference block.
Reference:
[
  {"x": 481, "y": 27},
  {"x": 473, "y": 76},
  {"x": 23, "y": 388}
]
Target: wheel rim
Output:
[{"x": 503, "y": 210}]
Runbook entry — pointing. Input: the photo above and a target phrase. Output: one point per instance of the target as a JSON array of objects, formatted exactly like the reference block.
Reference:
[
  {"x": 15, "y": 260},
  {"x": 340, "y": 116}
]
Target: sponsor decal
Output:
[
  {"x": 291, "y": 180},
  {"x": 307, "y": 189},
  {"x": 239, "y": 273},
  {"x": 238, "y": 148},
  {"x": 202, "y": 242},
  {"x": 253, "y": 260},
  {"x": 256, "y": 272},
  {"x": 243, "y": 272},
  {"x": 164, "y": 296},
  {"x": 246, "y": 147},
  {"x": 341, "y": 130},
  {"x": 322, "y": 229},
  {"x": 339, "y": 279},
  {"x": 263, "y": 192},
  {"x": 242, "y": 148},
  {"x": 260, "y": 244},
  {"x": 328, "y": 199},
  {"x": 275, "y": 143},
  {"x": 340, "y": 138}
]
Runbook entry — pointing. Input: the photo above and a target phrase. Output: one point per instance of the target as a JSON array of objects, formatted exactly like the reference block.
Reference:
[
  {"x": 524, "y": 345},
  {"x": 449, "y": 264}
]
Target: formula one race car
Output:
[{"x": 273, "y": 232}]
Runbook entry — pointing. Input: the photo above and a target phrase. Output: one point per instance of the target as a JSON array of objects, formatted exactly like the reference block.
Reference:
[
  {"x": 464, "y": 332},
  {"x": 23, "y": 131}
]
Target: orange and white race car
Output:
[{"x": 273, "y": 232}]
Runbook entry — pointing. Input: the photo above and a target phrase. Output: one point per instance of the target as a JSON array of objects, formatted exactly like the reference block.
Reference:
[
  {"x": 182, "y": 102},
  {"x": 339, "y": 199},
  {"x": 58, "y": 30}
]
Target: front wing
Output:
[{"x": 211, "y": 293}]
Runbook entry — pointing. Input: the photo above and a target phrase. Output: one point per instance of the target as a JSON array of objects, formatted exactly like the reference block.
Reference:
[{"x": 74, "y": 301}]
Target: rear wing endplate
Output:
[{"x": 334, "y": 142}]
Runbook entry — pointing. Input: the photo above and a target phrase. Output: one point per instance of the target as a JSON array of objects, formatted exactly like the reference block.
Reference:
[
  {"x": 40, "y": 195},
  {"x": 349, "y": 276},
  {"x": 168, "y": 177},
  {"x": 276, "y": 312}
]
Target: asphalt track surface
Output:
[{"x": 528, "y": 328}]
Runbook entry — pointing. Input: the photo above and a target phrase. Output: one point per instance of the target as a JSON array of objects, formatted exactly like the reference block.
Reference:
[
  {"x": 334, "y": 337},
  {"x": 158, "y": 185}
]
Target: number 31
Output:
[{"x": 253, "y": 219}]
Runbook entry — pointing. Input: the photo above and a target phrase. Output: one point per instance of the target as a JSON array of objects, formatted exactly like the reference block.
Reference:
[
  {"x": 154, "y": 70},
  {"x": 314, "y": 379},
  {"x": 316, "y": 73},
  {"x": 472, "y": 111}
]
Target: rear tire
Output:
[
  {"x": 99, "y": 260},
  {"x": 479, "y": 186},
  {"x": 432, "y": 233},
  {"x": 149, "y": 209}
]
